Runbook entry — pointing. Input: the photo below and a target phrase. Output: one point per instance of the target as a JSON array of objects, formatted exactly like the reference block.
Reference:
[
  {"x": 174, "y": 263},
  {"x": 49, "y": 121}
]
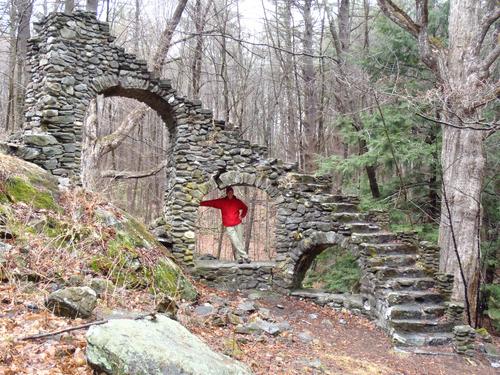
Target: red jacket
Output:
[{"x": 230, "y": 209}]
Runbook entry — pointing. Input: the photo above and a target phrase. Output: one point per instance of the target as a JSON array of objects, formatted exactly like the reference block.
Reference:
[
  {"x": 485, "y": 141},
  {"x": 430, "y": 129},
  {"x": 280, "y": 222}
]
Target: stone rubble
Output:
[{"x": 463, "y": 339}]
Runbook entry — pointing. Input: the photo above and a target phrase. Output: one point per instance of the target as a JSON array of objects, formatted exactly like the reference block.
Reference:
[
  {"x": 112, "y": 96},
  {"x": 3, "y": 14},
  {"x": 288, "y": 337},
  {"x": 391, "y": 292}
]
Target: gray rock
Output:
[
  {"x": 72, "y": 302},
  {"x": 106, "y": 217},
  {"x": 4, "y": 247},
  {"x": 204, "y": 310},
  {"x": 39, "y": 139},
  {"x": 264, "y": 313},
  {"x": 258, "y": 326},
  {"x": 245, "y": 307},
  {"x": 161, "y": 346},
  {"x": 284, "y": 326},
  {"x": 305, "y": 336},
  {"x": 101, "y": 286}
]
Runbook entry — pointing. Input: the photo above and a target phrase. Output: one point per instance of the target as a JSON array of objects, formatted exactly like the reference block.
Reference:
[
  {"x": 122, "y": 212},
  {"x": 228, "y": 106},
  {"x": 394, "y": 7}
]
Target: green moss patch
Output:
[
  {"x": 17, "y": 189},
  {"x": 133, "y": 259}
]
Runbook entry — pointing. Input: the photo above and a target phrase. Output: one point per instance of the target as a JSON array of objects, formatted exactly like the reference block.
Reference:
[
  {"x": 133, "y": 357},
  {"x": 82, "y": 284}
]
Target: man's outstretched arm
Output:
[{"x": 215, "y": 203}]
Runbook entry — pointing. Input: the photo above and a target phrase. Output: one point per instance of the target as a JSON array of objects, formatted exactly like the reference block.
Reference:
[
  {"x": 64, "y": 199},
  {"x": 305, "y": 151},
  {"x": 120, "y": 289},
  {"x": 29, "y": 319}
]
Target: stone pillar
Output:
[{"x": 64, "y": 55}]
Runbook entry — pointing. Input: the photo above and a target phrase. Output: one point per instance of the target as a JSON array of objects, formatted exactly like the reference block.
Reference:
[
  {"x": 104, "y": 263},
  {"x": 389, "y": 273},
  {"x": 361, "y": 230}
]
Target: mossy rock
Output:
[
  {"x": 123, "y": 263},
  {"x": 17, "y": 189},
  {"x": 25, "y": 182}
]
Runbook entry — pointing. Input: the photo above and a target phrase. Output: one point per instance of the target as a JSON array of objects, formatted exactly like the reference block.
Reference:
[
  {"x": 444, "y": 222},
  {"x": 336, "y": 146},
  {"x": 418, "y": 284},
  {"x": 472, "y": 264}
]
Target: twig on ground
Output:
[{"x": 82, "y": 326}]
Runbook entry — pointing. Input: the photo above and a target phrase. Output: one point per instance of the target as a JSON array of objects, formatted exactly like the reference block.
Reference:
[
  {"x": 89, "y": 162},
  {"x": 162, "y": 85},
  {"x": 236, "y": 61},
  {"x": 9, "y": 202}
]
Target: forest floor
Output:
[{"x": 320, "y": 341}]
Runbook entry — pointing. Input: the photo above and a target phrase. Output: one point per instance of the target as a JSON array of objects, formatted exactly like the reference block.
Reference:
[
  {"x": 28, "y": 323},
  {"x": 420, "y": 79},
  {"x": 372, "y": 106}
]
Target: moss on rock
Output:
[{"x": 134, "y": 259}]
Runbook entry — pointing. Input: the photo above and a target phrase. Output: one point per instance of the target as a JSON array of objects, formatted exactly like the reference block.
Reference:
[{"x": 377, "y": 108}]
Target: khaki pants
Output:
[{"x": 236, "y": 236}]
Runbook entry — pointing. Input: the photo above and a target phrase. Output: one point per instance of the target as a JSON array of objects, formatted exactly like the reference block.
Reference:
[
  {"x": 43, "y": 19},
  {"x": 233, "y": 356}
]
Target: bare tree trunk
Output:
[
  {"x": 199, "y": 21},
  {"x": 348, "y": 101},
  {"x": 25, "y": 9},
  {"x": 222, "y": 18},
  {"x": 250, "y": 220},
  {"x": 92, "y": 6},
  {"x": 310, "y": 94},
  {"x": 464, "y": 74},
  {"x": 69, "y": 6},
  {"x": 10, "y": 113}
]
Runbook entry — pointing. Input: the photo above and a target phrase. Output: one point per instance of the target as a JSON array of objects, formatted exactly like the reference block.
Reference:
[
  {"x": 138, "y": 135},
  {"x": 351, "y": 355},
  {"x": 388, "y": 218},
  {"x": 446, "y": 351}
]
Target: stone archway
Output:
[{"x": 309, "y": 249}]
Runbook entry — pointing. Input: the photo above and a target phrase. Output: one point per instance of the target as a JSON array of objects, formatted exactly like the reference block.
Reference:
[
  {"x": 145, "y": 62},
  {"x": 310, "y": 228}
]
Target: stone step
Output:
[
  {"x": 413, "y": 296},
  {"x": 361, "y": 227},
  {"x": 302, "y": 178},
  {"x": 333, "y": 198},
  {"x": 373, "y": 238},
  {"x": 389, "y": 248},
  {"x": 421, "y": 339},
  {"x": 383, "y": 273},
  {"x": 348, "y": 217},
  {"x": 392, "y": 260},
  {"x": 409, "y": 283},
  {"x": 340, "y": 207},
  {"x": 416, "y": 311},
  {"x": 421, "y": 325}
]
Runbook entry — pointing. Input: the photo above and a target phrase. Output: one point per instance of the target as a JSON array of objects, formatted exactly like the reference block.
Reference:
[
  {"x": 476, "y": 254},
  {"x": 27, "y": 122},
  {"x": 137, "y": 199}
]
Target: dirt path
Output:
[
  {"x": 319, "y": 340},
  {"x": 341, "y": 344}
]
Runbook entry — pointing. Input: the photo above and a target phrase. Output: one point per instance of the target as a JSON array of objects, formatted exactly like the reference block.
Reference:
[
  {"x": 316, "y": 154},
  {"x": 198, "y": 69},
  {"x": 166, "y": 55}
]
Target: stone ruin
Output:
[{"x": 73, "y": 59}]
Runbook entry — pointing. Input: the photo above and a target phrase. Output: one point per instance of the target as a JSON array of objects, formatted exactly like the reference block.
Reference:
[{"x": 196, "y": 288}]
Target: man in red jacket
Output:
[{"x": 230, "y": 207}]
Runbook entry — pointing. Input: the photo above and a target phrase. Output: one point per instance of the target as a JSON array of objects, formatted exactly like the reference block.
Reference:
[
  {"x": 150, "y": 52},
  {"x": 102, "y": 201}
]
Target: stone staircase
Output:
[
  {"x": 399, "y": 282},
  {"x": 408, "y": 304}
]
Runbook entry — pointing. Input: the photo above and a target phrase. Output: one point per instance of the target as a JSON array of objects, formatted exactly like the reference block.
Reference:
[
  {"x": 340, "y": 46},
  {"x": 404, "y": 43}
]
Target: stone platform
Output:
[{"x": 233, "y": 276}]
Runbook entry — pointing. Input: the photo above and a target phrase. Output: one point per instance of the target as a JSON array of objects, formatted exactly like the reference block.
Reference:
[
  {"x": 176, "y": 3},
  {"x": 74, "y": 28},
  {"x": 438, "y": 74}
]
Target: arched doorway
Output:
[
  {"x": 259, "y": 227},
  {"x": 130, "y": 173}
]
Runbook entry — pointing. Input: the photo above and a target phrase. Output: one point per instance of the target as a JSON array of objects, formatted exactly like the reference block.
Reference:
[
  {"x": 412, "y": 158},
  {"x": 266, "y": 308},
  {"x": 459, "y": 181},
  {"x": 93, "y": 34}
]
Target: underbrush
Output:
[
  {"x": 335, "y": 270},
  {"x": 68, "y": 238}
]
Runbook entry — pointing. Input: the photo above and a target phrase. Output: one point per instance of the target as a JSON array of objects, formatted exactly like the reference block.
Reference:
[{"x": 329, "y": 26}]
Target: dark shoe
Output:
[
  {"x": 241, "y": 260},
  {"x": 247, "y": 260}
]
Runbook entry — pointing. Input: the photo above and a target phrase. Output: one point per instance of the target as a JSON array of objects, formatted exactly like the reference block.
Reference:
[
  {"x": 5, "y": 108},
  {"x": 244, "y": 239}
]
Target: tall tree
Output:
[
  {"x": 465, "y": 86},
  {"x": 310, "y": 92},
  {"x": 20, "y": 14},
  {"x": 349, "y": 98}
]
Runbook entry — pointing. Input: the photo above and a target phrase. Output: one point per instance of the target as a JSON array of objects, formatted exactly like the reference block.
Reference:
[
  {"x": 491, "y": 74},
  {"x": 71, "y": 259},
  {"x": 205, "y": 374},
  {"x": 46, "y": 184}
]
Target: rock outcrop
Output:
[{"x": 157, "y": 346}]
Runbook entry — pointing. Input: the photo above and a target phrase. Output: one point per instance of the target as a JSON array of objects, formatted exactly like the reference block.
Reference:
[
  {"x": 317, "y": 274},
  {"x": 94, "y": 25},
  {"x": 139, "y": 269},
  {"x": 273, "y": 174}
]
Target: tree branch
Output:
[
  {"x": 166, "y": 38},
  {"x": 488, "y": 61},
  {"x": 81, "y": 326},
  {"x": 399, "y": 17},
  {"x": 243, "y": 42},
  {"x": 418, "y": 30},
  {"x": 123, "y": 175},
  {"x": 489, "y": 128},
  {"x": 487, "y": 21}
]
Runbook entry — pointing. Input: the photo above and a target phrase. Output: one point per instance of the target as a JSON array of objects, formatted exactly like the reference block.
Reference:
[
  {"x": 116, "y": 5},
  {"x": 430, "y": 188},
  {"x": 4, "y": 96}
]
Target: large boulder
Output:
[
  {"x": 73, "y": 302},
  {"x": 157, "y": 346}
]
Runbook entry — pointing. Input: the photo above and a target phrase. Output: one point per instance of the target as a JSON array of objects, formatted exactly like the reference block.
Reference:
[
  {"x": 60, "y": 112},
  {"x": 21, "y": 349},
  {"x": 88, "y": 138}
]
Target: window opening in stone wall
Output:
[
  {"x": 144, "y": 150},
  {"x": 334, "y": 270},
  {"x": 213, "y": 243}
]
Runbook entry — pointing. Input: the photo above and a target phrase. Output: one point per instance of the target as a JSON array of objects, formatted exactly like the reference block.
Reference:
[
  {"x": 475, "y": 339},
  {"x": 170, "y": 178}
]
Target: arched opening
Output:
[
  {"x": 154, "y": 101},
  {"x": 332, "y": 269},
  {"x": 259, "y": 227},
  {"x": 131, "y": 175}
]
